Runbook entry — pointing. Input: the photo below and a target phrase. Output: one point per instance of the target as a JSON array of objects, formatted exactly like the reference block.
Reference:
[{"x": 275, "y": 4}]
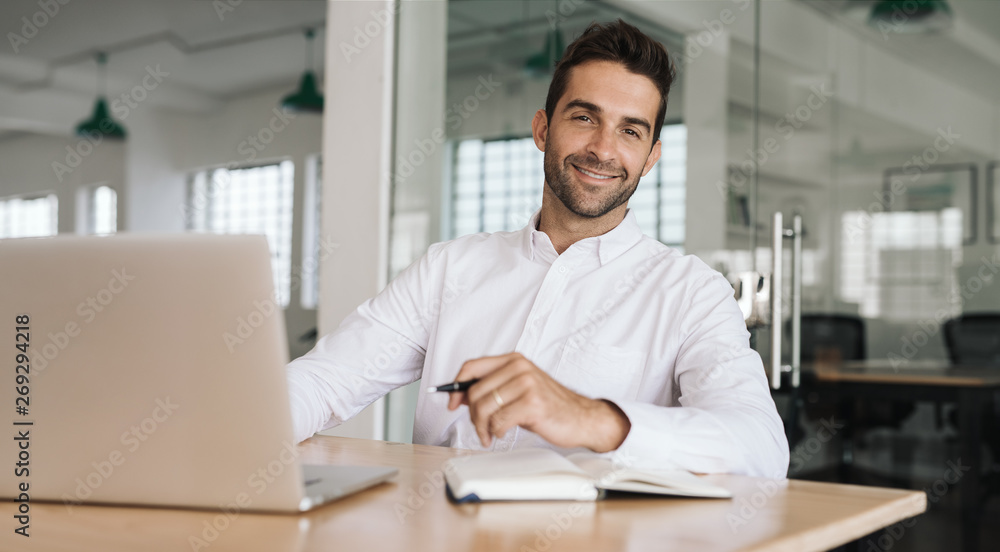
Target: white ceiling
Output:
[
  {"x": 51, "y": 81},
  {"x": 508, "y": 32},
  {"x": 210, "y": 56},
  {"x": 967, "y": 54}
]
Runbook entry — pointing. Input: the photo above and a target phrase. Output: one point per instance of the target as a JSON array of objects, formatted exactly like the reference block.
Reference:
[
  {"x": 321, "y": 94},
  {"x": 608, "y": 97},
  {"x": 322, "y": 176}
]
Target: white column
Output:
[
  {"x": 705, "y": 112},
  {"x": 357, "y": 146},
  {"x": 419, "y": 159}
]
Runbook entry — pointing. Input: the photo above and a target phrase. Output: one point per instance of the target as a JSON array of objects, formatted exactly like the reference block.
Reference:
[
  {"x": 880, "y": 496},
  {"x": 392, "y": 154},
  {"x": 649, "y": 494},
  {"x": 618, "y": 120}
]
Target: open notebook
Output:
[{"x": 543, "y": 474}]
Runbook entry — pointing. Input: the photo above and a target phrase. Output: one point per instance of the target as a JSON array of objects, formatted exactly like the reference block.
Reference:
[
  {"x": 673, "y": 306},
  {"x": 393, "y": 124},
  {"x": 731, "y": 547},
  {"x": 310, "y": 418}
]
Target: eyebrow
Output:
[{"x": 583, "y": 104}]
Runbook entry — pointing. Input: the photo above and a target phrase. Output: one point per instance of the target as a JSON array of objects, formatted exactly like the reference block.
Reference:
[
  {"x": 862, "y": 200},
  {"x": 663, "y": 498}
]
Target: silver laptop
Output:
[{"x": 149, "y": 370}]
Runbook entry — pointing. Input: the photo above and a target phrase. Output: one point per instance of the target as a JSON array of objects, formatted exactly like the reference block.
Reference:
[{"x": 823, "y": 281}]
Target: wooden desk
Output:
[
  {"x": 970, "y": 387},
  {"x": 412, "y": 513}
]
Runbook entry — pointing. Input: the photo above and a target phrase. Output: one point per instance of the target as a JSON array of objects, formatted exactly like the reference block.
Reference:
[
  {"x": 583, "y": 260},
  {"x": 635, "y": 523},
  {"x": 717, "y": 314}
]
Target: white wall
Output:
[
  {"x": 149, "y": 170},
  {"x": 33, "y": 163}
]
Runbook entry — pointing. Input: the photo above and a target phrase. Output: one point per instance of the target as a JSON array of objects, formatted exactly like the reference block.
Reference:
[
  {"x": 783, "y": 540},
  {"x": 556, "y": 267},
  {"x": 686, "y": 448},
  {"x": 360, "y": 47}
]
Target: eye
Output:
[
  {"x": 583, "y": 118},
  {"x": 632, "y": 133}
]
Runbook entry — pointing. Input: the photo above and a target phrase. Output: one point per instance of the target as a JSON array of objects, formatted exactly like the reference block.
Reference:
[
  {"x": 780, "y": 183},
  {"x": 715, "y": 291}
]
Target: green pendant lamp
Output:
[
  {"x": 544, "y": 62},
  {"x": 100, "y": 122},
  {"x": 911, "y": 16},
  {"x": 307, "y": 98}
]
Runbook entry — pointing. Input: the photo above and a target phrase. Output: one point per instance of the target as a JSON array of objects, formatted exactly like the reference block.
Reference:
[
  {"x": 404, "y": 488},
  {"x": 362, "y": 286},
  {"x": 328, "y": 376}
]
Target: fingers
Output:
[
  {"x": 511, "y": 392},
  {"x": 514, "y": 413},
  {"x": 455, "y": 399},
  {"x": 478, "y": 368},
  {"x": 494, "y": 414},
  {"x": 496, "y": 404}
]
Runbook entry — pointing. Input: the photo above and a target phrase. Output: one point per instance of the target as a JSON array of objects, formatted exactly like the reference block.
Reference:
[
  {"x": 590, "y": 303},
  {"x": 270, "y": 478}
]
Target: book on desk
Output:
[{"x": 543, "y": 474}]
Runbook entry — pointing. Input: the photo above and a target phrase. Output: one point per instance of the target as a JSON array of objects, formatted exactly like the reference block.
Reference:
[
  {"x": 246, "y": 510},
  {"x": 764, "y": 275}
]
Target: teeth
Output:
[{"x": 594, "y": 175}]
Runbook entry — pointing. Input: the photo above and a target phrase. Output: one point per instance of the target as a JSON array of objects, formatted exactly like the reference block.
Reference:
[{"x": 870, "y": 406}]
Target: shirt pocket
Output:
[{"x": 601, "y": 371}]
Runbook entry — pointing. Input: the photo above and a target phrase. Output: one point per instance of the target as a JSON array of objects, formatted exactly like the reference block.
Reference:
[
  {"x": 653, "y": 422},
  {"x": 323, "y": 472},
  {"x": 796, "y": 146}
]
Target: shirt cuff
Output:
[{"x": 673, "y": 438}]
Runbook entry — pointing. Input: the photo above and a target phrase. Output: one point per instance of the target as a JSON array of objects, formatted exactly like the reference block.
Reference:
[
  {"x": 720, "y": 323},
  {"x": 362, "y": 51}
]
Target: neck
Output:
[{"x": 564, "y": 227}]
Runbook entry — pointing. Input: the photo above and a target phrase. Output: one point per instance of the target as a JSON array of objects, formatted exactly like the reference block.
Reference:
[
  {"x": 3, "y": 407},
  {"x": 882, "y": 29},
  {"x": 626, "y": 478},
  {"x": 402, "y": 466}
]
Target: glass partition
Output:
[{"x": 881, "y": 136}]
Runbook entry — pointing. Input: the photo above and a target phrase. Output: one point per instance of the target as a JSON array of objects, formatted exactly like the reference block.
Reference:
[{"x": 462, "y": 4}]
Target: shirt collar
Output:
[{"x": 609, "y": 245}]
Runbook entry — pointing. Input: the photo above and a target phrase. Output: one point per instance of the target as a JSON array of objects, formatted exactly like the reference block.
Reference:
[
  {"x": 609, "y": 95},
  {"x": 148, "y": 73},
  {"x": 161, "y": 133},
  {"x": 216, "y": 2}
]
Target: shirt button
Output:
[{"x": 562, "y": 270}]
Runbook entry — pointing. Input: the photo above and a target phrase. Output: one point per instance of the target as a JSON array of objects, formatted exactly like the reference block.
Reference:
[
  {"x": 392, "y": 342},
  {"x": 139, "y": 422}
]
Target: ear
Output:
[
  {"x": 652, "y": 158},
  {"x": 540, "y": 129}
]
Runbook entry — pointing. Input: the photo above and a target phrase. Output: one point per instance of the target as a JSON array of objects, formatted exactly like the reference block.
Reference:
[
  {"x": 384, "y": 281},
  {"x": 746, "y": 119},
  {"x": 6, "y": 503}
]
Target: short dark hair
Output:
[{"x": 621, "y": 43}]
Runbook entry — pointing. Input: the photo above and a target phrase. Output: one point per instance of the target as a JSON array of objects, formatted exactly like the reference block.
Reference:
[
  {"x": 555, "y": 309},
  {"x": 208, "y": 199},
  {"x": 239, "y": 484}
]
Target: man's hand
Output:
[{"x": 512, "y": 391}]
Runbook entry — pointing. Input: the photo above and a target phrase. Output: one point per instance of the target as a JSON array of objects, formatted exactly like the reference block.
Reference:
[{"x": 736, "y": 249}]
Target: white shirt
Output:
[{"x": 618, "y": 316}]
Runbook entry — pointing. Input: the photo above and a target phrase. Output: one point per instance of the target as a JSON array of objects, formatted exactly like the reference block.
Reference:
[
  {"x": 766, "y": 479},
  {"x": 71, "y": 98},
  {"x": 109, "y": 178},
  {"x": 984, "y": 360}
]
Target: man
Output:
[{"x": 582, "y": 332}]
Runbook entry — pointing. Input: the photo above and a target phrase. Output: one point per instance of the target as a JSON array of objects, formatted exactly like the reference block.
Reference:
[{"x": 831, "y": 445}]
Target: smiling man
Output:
[{"x": 580, "y": 331}]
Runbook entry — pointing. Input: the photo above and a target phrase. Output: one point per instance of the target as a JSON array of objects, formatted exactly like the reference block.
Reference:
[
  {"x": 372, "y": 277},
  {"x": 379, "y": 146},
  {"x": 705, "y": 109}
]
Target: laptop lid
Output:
[{"x": 153, "y": 373}]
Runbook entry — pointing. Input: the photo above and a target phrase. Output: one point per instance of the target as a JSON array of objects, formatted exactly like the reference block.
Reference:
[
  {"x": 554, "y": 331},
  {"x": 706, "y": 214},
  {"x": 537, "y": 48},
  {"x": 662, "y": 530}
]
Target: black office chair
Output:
[
  {"x": 975, "y": 339},
  {"x": 840, "y": 338},
  {"x": 832, "y": 337},
  {"x": 825, "y": 337}
]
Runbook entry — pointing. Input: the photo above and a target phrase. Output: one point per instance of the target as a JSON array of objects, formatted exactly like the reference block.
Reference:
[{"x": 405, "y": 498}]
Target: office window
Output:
[
  {"x": 497, "y": 185},
  {"x": 901, "y": 265},
  {"x": 669, "y": 180},
  {"x": 311, "y": 217},
  {"x": 31, "y": 216},
  {"x": 102, "y": 210},
  {"x": 253, "y": 200}
]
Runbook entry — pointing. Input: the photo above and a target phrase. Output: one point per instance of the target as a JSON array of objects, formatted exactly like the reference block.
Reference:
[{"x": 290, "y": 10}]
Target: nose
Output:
[{"x": 602, "y": 143}]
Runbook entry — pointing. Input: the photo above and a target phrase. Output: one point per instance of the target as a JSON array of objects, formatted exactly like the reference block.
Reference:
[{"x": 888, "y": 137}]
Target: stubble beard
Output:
[{"x": 560, "y": 180}]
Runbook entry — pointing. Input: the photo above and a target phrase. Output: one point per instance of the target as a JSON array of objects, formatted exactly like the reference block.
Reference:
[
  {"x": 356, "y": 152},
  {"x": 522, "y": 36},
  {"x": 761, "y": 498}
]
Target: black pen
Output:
[{"x": 453, "y": 386}]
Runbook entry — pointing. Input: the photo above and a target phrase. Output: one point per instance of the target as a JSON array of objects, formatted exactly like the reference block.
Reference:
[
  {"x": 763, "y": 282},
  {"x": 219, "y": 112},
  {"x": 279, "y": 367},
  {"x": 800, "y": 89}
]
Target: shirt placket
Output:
[{"x": 550, "y": 293}]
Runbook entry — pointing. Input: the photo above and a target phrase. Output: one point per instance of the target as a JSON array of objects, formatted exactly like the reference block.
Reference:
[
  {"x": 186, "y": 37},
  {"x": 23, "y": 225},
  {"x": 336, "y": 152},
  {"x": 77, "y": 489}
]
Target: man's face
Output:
[{"x": 599, "y": 141}]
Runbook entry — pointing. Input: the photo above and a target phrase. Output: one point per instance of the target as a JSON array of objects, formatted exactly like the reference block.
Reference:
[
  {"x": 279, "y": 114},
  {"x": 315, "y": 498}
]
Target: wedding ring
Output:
[{"x": 498, "y": 398}]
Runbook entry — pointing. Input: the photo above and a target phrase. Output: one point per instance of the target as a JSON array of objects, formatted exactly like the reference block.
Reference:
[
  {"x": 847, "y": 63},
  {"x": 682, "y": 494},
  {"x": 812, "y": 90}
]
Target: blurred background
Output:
[{"x": 876, "y": 122}]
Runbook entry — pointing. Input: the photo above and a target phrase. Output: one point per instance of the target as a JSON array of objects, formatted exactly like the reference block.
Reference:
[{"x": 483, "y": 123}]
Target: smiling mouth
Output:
[{"x": 593, "y": 174}]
